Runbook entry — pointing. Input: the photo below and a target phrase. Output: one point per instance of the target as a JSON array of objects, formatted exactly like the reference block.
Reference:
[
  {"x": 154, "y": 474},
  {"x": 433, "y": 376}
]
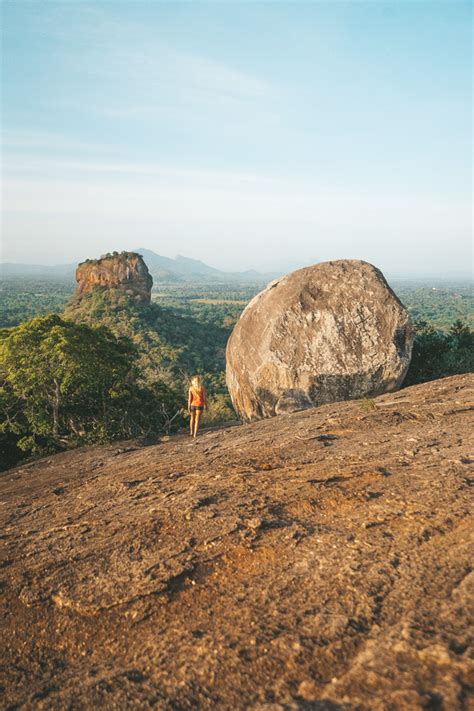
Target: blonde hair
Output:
[{"x": 196, "y": 382}]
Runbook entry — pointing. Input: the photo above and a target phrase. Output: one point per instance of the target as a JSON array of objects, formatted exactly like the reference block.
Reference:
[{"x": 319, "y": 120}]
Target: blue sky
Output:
[{"x": 248, "y": 134}]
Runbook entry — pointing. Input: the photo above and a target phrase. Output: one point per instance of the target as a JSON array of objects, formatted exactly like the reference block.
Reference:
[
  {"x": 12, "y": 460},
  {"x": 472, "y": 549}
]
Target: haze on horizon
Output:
[{"x": 249, "y": 135}]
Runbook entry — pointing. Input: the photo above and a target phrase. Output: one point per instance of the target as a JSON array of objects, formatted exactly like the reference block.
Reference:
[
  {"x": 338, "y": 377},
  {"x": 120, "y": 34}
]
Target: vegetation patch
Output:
[{"x": 123, "y": 368}]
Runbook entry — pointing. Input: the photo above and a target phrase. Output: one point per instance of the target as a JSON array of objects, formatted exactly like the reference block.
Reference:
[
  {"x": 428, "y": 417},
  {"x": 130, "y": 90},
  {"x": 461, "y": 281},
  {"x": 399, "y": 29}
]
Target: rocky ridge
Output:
[
  {"x": 317, "y": 560},
  {"x": 125, "y": 271}
]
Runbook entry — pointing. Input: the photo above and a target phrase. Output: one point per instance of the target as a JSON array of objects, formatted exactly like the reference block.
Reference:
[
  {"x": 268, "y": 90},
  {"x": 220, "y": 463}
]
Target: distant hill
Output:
[
  {"x": 186, "y": 269},
  {"x": 163, "y": 269}
]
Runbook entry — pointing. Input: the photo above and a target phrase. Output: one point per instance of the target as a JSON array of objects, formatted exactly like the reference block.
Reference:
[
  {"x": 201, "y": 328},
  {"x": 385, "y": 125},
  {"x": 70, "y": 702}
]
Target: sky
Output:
[{"x": 262, "y": 135}]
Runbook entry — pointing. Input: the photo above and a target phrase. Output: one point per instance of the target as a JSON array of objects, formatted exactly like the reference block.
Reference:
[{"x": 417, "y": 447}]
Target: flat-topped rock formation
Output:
[
  {"x": 318, "y": 560},
  {"x": 332, "y": 331},
  {"x": 125, "y": 271}
]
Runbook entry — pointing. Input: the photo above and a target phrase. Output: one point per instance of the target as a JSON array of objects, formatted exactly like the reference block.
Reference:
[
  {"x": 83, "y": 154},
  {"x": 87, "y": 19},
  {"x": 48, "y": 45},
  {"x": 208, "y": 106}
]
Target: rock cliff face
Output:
[
  {"x": 318, "y": 560},
  {"x": 125, "y": 271},
  {"x": 333, "y": 331}
]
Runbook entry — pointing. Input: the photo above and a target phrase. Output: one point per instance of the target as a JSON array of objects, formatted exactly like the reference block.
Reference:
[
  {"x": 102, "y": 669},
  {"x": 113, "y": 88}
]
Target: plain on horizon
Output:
[{"x": 249, "y": 135}]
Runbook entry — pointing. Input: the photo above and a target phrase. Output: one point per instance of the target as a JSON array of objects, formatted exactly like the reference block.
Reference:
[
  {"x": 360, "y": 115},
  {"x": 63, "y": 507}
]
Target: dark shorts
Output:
[{"x": 196, "y": 408}]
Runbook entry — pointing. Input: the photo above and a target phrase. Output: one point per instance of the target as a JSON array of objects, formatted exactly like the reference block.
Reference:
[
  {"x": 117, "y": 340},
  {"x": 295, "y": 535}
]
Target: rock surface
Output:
[
  {"x": 125, "y": 271},
  {"x": 319, "y": 560},
  {"x": 332, "y": 331}
]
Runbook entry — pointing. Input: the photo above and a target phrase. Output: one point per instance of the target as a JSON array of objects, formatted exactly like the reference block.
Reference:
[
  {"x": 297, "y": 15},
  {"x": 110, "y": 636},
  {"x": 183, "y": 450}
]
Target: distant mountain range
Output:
[
  {"x": 185, "y": 269},
  {"x": 163, "y": 269}
]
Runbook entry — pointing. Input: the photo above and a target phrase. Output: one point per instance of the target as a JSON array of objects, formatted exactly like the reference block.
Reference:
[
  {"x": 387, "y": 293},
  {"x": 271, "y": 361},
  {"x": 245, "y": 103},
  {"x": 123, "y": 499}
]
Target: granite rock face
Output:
[
  {"x": 318, "y": 561},
  {"x": 125, "y": 271},
  {"x": 332, "y": 331}
]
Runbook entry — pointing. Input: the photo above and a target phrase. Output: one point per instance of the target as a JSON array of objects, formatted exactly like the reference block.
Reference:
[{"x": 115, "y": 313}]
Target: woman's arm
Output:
[
  {"x": 204, "y": 398},
  {"x": 189, "y": 399}
]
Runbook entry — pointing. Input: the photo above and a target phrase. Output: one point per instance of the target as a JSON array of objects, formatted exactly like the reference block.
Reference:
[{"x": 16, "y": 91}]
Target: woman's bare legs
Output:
[
  {"x": 197, "y": 418},
  {"x": 191, "y": 422}
]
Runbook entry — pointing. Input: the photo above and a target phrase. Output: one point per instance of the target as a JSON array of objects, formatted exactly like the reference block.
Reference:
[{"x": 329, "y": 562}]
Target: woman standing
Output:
[{"x": 196, "y": 403}]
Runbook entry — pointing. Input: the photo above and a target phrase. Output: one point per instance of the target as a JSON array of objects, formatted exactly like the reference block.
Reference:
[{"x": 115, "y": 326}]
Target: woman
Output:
[{"x": 196, "y": 403}]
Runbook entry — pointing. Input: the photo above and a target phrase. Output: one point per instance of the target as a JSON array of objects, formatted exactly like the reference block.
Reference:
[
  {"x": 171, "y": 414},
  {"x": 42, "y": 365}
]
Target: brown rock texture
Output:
[
  {"x": 332, "y": 331},
  {"x": 125, "y": 271},
  {"x": 319, "y": 560}
]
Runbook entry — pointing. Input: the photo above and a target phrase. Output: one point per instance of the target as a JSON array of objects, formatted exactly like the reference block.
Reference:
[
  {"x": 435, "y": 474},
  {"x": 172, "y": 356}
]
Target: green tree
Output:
[
  {"x": 437, "y": 354},
  {"x": 62, "y": 383}
]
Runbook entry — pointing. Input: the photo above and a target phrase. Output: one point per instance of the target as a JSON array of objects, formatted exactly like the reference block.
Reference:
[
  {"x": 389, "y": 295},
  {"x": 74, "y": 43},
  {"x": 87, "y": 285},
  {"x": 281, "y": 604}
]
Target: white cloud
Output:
[
  {"x": 100, "y": 45},
  {"x": 252, "y": 220},
  {"x": 17, "y": 142},
  {"x": 18, "y": 165},
  {"x": 208, "y": 75}
]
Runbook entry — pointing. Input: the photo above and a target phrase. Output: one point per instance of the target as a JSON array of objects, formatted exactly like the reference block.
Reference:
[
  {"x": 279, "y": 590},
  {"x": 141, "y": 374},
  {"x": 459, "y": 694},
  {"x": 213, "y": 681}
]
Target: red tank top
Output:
[{"x": 197, "y": 398}]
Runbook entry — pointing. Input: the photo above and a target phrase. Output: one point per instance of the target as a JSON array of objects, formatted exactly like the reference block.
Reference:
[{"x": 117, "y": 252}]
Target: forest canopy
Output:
[
  {"x": 63, "y": 384},
  {"x": 107, "y": 368}
]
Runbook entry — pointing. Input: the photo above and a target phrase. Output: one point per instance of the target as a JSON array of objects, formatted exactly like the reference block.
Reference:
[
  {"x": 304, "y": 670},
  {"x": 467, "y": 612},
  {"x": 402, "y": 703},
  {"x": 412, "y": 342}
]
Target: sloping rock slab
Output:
[{"x": 319, "y": 560}]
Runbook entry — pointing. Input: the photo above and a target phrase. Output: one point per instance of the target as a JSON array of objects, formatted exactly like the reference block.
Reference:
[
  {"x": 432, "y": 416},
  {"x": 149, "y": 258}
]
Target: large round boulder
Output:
[{"x": 332, "y": 331}]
